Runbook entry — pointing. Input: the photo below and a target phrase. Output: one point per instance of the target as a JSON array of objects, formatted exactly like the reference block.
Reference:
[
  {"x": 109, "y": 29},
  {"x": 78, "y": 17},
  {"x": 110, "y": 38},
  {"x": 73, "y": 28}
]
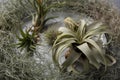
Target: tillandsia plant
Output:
[
  {"x": 83, "y": 51},
  {"x": 38, "y": 23},
  {"x": 51, "y": 34},
  {"x": 27, "y": 41}
]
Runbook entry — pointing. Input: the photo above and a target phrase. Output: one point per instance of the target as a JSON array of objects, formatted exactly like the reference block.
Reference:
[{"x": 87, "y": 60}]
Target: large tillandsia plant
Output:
[{"x": 84, "y": 51}]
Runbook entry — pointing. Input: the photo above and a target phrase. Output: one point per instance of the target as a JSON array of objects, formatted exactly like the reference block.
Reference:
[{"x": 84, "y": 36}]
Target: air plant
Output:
[
  {"x": 27, "y": 41},
  {"x": 51, "y": 34},
  {"x": 83, "y": 50},
  {"x": 38, "y": 23}
]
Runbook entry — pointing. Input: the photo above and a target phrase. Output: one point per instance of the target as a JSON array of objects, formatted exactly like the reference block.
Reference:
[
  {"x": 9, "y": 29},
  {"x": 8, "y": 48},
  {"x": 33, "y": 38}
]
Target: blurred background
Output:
[{"x": 116, "y": 2}]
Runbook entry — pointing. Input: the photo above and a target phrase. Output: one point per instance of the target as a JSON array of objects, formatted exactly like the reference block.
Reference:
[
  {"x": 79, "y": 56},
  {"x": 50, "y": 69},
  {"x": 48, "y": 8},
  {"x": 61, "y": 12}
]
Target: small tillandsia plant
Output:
[
  {"x": 83, "y": 50},
  {"x": 27, "y": 41},
  {"x": 30, "y": 37},
  {"x": 51, "y": 34}
]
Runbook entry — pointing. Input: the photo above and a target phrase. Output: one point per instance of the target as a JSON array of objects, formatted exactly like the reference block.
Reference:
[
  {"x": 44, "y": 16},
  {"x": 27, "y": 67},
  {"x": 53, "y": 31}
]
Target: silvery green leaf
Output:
[{"x": 88, "y": 53}]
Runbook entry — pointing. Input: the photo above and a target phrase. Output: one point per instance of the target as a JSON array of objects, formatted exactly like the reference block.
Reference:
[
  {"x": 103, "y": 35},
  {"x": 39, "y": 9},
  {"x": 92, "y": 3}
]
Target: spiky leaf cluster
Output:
[{"x": 26, "y": 41}]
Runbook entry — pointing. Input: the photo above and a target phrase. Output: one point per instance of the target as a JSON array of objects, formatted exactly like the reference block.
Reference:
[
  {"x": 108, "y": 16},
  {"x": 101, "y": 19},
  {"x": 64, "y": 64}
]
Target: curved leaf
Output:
[
  {"x": 22, "y": 33},
  {"x": 57, "y": 51},
  {"x": 94, "y": 25},
  {"x": 63, "y": 41},
  {"x": 49, "y": 18},
  {"x": 88, "y": 53},
  {"x": 66, "y": 35},
  {"x": 110, "y": 60},
  {"x": 99, "y": 30},
  {"x": 71, "y": 59},
  {"x": 100, "y": 55},
  {"x": 81, "y": 28}
]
